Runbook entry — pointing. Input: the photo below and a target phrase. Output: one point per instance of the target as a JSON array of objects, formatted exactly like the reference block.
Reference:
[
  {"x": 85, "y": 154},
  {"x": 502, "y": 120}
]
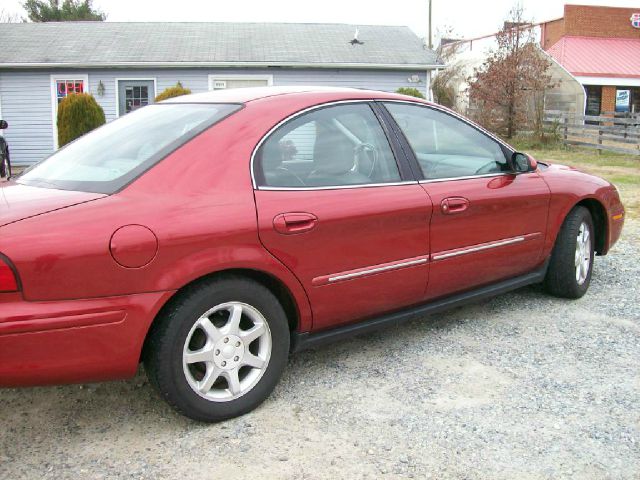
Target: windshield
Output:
[{"x": 107, "y": 159}]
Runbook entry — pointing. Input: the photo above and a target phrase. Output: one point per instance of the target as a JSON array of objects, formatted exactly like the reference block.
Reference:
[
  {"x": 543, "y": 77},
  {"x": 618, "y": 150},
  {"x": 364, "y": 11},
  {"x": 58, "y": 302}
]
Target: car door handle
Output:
[
  {"x": 453, "y": 205},
  {"x": 294, "y": 222}
]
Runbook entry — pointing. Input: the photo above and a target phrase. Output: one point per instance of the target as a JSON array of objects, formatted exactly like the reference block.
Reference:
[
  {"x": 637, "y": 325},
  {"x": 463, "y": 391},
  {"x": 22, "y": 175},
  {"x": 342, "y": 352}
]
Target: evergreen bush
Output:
[
  {"x": 412, "y": 92},
  {"x": 175, "y": 91},
  {"x": 78, "y": 113}
]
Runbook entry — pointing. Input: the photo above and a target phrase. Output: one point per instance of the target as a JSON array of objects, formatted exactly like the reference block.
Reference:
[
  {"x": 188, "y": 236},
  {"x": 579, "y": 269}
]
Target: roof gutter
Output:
[{"x": 377, "y": 66}]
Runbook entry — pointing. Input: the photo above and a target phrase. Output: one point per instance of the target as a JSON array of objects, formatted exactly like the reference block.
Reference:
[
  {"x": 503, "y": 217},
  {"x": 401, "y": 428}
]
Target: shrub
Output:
[
  {"x": 78, "y": 114},
  {"x": 171, "y": 92},
  {"x": 412, "y": 92}
]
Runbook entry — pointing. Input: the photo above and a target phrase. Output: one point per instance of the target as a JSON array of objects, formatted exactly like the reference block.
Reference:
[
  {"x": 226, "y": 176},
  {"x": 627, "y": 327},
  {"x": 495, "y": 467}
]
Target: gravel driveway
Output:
[{"x": 523, "y": 386}]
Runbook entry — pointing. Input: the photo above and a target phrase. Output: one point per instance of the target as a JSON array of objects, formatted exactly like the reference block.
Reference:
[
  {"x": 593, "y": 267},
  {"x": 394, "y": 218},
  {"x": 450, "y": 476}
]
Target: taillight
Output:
[{"x": 8, "y": 280}]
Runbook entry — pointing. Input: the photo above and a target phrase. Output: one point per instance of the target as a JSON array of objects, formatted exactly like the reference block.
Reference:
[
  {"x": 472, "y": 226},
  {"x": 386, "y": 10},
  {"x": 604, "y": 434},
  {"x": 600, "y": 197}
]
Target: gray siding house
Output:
[{"x": 125, "y": 65}]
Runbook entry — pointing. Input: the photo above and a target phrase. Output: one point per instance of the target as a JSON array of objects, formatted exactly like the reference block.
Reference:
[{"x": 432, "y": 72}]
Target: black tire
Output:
[
  {"x": 561, "y": 279},
  {"x": 5, "y": 163},
  {"x": 163, "y": 351}
]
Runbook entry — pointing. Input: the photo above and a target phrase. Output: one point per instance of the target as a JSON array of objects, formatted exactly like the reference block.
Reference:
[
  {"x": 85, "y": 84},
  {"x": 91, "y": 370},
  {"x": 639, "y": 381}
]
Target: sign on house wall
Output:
[{"x": 635, "y": 20}]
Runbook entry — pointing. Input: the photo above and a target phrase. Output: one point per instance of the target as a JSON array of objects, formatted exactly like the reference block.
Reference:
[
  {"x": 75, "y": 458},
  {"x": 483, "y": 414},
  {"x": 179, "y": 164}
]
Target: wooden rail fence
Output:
[{"x": 612, "y": 132}]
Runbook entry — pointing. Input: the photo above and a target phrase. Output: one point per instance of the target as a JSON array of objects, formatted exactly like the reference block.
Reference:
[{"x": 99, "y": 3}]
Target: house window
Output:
[
  {"x": 223, "y": 82},
  {"x": 61, "y": 87},
  {"x": 65, "y": 87}
]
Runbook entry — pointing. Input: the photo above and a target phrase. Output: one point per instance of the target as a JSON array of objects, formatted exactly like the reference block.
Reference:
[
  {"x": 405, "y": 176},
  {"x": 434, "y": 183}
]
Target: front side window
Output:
[
  {"x": 109, "y": 157},
  {"x": 332, "y": 146},
  {"x": 445, "y": 146}
]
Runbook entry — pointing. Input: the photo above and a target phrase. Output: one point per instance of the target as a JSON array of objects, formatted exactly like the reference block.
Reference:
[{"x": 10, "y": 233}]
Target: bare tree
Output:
[{"x": 512, "y": 79}]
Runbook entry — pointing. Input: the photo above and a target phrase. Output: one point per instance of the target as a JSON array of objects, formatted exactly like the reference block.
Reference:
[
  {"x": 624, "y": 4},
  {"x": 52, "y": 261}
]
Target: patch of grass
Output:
[
  {"x": 526, "y": 143},
  {"x": 625, "y": 179},
  {"x": 556, "y": 151},
  {"x": 585, "y": 156},
  {"x": 620, "y": 169}
]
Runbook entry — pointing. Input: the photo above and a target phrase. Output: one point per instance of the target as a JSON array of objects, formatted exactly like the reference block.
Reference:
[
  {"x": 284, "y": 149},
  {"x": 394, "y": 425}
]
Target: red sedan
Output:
[{"x": 210, "y": 235}]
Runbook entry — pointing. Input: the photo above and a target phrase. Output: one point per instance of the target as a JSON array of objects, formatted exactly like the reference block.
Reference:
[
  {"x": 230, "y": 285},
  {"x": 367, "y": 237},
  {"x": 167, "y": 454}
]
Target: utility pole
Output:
[{"x": 430, "y": 42}]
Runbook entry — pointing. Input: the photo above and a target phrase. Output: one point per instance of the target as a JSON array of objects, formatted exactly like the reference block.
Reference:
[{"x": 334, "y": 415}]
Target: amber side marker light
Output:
[
  {"x": 617, "y": 217},
  {"x": 8, "y": 281}
]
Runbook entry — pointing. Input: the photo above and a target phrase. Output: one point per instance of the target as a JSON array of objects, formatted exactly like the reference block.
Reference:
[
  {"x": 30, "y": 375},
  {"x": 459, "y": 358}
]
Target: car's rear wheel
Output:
[
  {"x": 218, "y": 350},
  {"x": 571, "y": 263},
  {"x": 5, "y": 165}
]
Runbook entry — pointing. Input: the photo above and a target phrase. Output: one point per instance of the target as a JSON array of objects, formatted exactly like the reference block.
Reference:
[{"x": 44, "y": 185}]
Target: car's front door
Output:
[
  {"x": 488, "y": 223},
  {"x": 334, "y": 208}
]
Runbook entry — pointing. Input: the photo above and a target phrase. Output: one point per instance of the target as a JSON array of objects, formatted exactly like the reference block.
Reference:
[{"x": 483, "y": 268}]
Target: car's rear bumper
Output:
[{"x": 73, "y": 340}]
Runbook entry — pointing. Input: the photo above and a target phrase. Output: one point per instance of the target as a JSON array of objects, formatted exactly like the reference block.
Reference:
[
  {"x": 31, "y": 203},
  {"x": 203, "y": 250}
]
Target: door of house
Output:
[{"x": 133, "y": 94}]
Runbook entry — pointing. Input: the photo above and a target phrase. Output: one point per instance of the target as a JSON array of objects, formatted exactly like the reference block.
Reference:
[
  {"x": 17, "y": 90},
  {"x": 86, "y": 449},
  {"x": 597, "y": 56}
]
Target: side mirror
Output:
[
  {"x": 522, "y": 163},
  {"x": 3, "y": 124}
]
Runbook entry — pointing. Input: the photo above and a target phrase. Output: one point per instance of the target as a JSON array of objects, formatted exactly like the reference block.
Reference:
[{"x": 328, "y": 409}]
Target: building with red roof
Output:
[{"x": 600, "y": 47}]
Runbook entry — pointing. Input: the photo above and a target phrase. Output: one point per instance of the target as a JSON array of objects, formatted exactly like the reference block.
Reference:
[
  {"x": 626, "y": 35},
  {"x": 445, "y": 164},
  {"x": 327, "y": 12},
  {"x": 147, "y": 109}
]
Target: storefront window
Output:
[
  {"x": 628, "y": 100},
  {"x": 594, "y": 99},
  {"x": 635, "y": 100},
  {"x": 623, "y": 100}
]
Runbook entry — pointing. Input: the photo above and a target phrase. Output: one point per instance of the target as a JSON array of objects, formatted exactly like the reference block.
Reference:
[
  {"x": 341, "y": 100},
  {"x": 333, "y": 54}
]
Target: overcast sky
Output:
[{"x": 469, "y": 18}]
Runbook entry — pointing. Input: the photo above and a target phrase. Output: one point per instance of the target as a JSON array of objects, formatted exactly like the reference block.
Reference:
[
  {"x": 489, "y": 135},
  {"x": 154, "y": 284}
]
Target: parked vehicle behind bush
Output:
[{"x": 5, "y": 161}]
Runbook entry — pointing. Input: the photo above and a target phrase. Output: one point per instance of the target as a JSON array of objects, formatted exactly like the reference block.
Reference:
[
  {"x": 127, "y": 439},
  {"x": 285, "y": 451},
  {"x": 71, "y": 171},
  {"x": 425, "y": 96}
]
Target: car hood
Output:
[
  {"x": 559, "y": 169},
  {"x": 18, "y": 202}
]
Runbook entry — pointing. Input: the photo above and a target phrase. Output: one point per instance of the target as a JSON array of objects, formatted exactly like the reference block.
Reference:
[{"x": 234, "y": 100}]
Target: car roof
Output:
[{"x": 244, "y": 95}]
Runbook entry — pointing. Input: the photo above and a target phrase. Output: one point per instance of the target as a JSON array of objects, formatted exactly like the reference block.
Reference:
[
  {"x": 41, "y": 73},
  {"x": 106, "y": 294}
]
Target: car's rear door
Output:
[
  {"x": 488, "y": 223},
  {"x": 337, "y": 205}
]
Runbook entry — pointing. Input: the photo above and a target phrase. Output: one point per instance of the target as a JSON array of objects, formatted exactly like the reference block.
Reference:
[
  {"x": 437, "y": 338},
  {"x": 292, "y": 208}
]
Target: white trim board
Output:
[
  {"x": 610, "y": 81},
  {"x": 372, "y": 66},
  {"x": 212, "y": 77},
  {"x": 54, "y": 98},
  {"x": 134, "y": 79}
]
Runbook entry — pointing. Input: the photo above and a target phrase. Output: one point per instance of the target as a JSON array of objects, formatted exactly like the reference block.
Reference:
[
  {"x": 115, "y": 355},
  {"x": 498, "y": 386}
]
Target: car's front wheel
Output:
[
  {"x": 218, "y": 350},
  {"x": 571, "y": 263}
]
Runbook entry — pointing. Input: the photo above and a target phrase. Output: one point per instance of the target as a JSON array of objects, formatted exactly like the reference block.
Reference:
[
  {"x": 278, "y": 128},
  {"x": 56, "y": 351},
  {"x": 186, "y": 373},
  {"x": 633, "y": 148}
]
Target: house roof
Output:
[
  {"x": 598, "y": 57},
  {"x": 100, "y": 44}
]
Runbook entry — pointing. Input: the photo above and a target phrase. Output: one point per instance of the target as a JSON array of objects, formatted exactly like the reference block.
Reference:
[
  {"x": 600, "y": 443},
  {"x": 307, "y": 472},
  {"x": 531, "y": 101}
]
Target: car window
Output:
[
  {"x": 445, "y": 146},
  {"x": 333, "y": 146},
  {"x": 109, "y": 157}
]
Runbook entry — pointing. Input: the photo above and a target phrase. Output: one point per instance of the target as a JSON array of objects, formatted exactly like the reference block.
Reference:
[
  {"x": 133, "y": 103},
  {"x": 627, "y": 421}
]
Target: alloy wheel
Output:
[
  {"x": 227, "y": 351},
  {"x": 583, "y": 253}
]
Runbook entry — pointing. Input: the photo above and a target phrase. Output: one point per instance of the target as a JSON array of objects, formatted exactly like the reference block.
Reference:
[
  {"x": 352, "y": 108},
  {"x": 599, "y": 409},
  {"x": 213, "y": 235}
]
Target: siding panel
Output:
[{"x": 26, "y": 96}]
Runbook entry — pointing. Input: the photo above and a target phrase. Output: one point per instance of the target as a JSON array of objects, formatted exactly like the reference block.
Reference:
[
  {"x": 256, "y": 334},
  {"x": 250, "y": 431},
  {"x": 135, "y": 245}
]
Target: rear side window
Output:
[
  {"x": 332, "y": 146},
  {"x": 445, "y": 146},
  {"x": 111, "y": 156}
]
